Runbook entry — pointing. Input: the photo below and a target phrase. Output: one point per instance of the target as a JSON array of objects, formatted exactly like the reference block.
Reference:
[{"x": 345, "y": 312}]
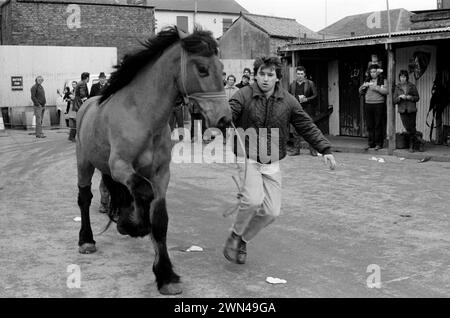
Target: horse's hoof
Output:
[
  {"x": 87, "y": 248},
  {"x": 171, "y": 289}
]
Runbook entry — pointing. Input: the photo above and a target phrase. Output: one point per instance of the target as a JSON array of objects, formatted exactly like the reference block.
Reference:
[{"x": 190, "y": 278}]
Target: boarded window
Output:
[
  {"x": 182, "y": 23},
  {"x": 226, "y": 24}
]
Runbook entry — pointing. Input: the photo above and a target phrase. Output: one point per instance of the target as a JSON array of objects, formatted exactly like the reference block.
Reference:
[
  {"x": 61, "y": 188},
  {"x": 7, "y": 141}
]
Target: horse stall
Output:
[{"x": 20, "y": 65}]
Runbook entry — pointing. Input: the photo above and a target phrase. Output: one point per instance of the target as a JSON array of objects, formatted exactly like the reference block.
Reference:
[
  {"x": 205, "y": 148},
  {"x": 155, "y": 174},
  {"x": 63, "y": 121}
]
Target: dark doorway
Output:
[
  {"x": 351, "y": 76},
  {"x": 317, "y": 71},
  {"x": 353, "y": 65}
]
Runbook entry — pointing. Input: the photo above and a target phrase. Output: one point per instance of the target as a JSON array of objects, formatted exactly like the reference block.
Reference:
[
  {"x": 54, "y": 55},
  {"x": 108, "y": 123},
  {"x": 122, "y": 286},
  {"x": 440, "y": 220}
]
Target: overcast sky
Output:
[{"x": 312, "y": 13}]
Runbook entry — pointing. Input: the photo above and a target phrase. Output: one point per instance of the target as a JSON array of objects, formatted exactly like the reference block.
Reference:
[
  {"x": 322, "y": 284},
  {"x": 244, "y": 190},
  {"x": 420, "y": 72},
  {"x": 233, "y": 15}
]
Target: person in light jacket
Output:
[{"x": 406, "y": 96}]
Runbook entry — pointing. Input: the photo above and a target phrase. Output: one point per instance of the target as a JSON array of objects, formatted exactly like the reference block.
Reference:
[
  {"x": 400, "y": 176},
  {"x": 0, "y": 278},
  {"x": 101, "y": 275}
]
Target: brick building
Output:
[{"x": 94, "y": 23}]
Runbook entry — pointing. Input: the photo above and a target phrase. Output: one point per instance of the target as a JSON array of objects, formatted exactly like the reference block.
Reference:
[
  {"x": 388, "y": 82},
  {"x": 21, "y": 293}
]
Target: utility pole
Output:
[
  {"x": 391, "y": 130},
  {"x": 326, "y": 17},
  {"x": 195, "y": 13}
]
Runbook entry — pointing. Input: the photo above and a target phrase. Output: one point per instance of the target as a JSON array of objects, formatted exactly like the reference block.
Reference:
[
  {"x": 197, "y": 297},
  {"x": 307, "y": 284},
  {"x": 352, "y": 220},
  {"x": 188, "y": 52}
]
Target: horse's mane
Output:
[{"x": 200, "y": 42}]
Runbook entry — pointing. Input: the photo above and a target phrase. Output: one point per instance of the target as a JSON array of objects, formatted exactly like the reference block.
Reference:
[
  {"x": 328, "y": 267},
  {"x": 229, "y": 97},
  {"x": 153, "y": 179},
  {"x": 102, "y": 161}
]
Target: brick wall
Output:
[
  {"x": 5, "y": 27},
  {"x": 35, "y": 23}
]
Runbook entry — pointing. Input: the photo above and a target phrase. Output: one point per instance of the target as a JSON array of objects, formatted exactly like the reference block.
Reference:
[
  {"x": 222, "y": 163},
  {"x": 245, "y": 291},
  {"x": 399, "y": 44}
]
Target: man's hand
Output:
[{"x": 330, "y": 161}]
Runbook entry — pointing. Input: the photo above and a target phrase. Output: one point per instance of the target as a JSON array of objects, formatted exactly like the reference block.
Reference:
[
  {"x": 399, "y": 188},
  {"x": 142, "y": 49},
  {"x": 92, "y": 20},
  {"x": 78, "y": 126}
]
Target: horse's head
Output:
[{"x": 200, "y": 79}]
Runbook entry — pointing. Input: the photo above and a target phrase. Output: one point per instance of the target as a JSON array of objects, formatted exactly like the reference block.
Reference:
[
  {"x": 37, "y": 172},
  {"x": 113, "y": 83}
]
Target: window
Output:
[
  {"x": 226, "y": 24},
  {"x": 183, "y": 23}
]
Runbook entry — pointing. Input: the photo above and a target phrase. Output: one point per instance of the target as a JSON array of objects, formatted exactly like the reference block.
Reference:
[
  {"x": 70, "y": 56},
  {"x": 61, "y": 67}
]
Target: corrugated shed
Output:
[
  {"x": 281, "y": 27},
  {"x": 374, "y": 36},
  {"x": 423, "y": 84}
]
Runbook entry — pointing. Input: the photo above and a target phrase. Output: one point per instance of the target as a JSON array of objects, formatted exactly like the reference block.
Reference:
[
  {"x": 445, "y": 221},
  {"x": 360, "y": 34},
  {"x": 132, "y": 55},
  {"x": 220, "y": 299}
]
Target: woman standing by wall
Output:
[
  {"x": 406, "y": 96},
  {"x": 374, "y": 90}
]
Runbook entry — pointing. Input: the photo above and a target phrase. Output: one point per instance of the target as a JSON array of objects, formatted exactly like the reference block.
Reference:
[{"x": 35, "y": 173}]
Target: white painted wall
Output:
[
  {"x": 55, "y": 63},
  {"x": 208, "y": 21},
  {"x": 333, "y": 96}
]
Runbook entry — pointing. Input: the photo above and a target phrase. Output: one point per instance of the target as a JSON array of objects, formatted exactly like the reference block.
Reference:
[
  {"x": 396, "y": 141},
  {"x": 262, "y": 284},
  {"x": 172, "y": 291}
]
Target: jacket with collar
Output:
[
  {"x": 408, "y": 105},
  {"x": 97, "y": 89},
  {"x": 310, "y": 90},
  {"x": 251, "y": 109}
]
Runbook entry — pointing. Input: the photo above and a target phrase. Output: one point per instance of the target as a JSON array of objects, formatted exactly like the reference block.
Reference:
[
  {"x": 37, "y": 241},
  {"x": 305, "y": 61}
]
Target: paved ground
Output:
[{"x": 334, "y": 225}]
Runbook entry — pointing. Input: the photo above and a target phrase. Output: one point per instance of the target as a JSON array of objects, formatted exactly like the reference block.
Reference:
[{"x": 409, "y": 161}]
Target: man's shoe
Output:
[
  {"x": 41, "y": 136},
  {"x": 242, "y": 252},
  {"x": 232, "y": 248},
  {"x": 377, "y": 148}
]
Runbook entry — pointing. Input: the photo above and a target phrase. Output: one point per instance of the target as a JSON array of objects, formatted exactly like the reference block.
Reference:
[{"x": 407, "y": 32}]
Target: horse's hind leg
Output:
[
  {"x": 168, "y": 282},
  {"x": 86, "y": 241}
]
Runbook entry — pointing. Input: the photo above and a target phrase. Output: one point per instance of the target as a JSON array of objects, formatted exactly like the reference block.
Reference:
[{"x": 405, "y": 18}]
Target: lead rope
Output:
[{"x": 240, "y": 187}]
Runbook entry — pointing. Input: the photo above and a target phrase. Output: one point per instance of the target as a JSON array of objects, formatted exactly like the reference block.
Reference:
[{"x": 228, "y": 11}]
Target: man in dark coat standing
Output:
[
  {"x": 304, "y": 90},
  {"x": 38, "y": 98},
  {"x": 98, "y": 88}
]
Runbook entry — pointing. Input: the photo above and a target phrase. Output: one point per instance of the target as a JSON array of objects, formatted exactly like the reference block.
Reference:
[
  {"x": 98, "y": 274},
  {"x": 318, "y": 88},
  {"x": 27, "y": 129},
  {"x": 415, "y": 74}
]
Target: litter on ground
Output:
[
  {"x": 274, "y": 280},
  {"x": 194, "y": 248}
]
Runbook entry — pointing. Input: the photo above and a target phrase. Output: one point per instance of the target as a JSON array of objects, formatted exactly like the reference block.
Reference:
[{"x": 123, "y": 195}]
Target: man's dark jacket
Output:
[
  {"x": 251, "y": 109},
  {"x": 38, "y": 95},
  {"x": 97, "y": 89},
  {"x": 81, "y": 92}
]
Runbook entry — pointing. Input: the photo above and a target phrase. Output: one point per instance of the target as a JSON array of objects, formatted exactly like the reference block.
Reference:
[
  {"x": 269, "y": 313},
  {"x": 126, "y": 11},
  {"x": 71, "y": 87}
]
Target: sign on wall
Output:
[{"x": 17, "y": 83}]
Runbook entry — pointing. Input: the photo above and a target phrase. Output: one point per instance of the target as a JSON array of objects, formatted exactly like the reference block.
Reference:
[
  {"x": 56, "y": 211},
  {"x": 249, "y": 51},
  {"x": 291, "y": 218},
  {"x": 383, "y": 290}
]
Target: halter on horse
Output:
[{"x": 125, "y": 134}]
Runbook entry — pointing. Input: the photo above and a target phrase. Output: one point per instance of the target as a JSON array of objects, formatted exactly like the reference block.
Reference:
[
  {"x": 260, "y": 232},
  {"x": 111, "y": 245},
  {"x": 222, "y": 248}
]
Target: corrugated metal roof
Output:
[
  {"x": 219, "y": 6},
  {"x": 373, "y": 36},
  {"x": 281, "y": 27},
  {"x": 357, "y": 24}
]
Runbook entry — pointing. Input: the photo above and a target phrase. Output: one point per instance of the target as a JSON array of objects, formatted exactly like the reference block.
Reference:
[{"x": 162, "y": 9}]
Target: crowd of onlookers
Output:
[
  {"x": 374, "y": 91},
  {"x": 68, "y": 102}
]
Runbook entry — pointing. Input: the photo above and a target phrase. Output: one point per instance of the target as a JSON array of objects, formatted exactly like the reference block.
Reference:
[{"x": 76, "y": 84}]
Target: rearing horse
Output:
[{"x": 125, "y": 134}]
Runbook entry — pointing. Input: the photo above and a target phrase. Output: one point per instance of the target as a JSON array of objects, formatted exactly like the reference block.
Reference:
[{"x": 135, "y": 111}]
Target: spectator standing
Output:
[
  {"x": 406, "y": 96},
  {"x": 230, "y": 89},
  {"x": 80, "y": 96},
  {"x": 374, "y": 91},
  {"x": 39, "y": 101},
  {"x": 98, "y": 88},
  {"x": 244, "y": 82},
  {"x": 304, "y": 90}
]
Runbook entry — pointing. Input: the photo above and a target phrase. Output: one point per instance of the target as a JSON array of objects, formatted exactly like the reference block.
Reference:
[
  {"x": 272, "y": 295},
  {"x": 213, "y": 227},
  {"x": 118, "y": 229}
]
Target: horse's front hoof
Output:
[
  {"x": 87, "y": 248},
  {"x": 171, "y": 289}
]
